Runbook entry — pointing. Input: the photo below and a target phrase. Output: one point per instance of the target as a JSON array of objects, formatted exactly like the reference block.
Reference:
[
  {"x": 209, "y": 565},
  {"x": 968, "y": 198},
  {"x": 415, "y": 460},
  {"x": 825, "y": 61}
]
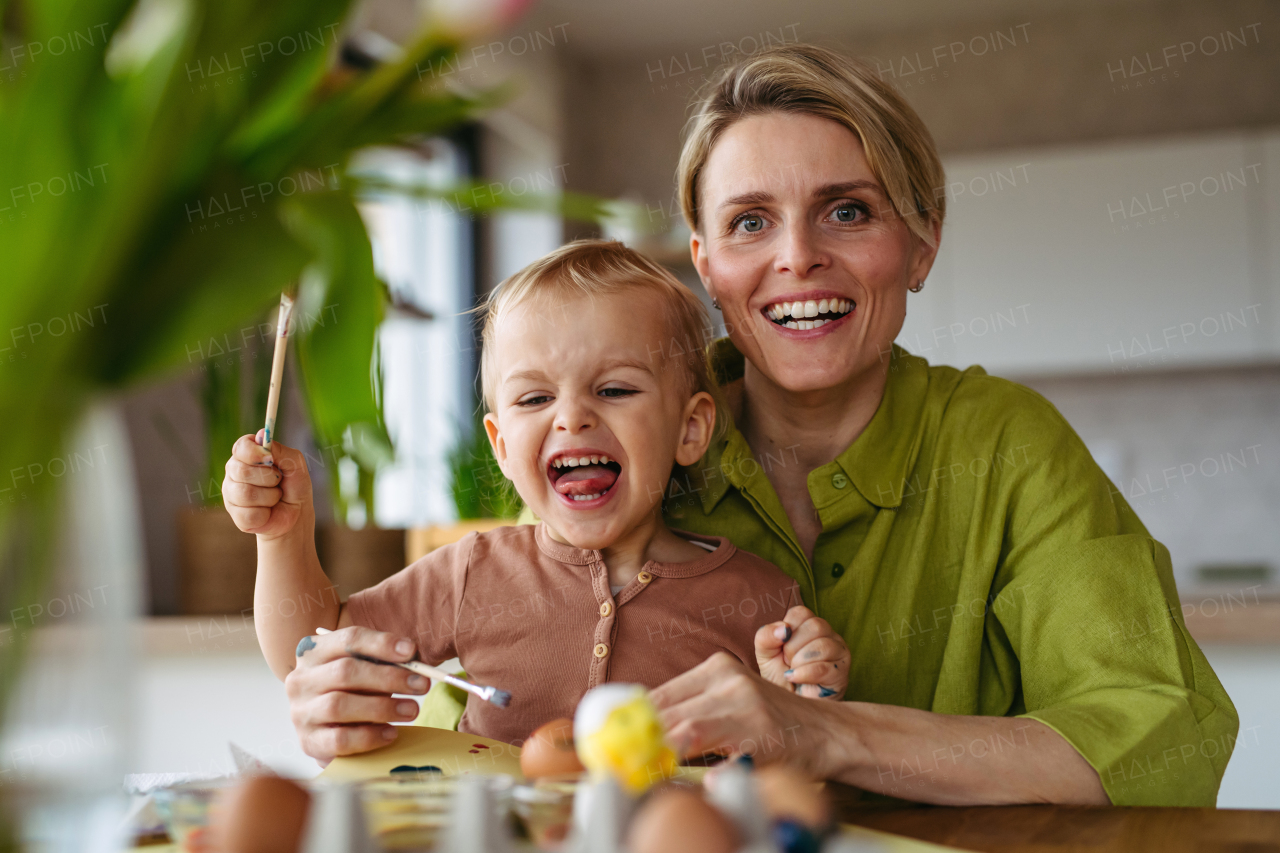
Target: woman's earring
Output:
[
  {"x": 715, "y": 303},
  {"x": 919, "y": 286}
]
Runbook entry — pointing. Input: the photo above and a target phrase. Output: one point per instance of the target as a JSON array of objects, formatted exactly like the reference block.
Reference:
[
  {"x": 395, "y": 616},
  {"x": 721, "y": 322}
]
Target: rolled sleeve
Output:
[{"x": 1091, "y": 611}]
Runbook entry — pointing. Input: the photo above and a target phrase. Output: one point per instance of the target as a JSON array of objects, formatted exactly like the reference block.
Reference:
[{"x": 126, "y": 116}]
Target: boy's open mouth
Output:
[
  {"x": 809, "y": 314},
  {"x": 582, "y": 475}
]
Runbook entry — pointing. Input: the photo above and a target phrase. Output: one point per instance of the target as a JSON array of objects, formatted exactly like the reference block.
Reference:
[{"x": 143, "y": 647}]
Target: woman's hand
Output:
[
  {"x": 804, "y": 653},
  {"x": 722, "y": 706},
  {"x": 342, "y": 705}
]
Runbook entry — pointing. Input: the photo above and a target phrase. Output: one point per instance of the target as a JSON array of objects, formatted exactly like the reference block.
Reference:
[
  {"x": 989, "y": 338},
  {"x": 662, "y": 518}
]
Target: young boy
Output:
[{"x": 596, "y": 385}]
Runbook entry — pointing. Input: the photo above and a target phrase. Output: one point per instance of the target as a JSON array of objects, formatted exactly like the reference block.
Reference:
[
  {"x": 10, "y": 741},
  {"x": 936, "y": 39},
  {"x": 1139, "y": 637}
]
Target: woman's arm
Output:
[{"x": 901, "y": 752}]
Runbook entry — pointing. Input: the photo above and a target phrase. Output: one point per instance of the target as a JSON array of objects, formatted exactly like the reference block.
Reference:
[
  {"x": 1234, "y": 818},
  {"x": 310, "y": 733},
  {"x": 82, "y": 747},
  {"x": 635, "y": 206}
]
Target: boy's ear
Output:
[
  {"x": 495, "y": 441},
  {"x": 699, "y": 422}
]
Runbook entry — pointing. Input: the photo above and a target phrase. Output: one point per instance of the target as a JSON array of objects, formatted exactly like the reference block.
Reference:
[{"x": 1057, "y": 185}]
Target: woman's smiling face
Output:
[{"x": 802, "y": 248}]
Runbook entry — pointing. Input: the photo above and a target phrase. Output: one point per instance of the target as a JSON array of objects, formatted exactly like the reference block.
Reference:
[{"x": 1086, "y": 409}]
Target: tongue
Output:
[{"x": 585, "y": 480}]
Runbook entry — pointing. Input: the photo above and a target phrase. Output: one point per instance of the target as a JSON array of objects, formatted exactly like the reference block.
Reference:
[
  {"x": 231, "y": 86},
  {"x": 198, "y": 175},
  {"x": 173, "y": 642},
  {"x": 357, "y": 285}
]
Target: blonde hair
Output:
[
  {"x": 600, "y": 268},
  {"x": 803, "y": 78}
]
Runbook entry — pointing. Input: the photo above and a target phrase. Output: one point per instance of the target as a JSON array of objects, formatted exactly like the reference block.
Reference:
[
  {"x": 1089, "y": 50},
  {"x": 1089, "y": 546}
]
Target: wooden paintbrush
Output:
[
  {"x": 277, "y": 366},
  {"x": 501, "y": 698}
]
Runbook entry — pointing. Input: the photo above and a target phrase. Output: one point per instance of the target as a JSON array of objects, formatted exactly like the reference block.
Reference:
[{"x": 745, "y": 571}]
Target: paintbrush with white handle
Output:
[{"x": 501, "y": 698}]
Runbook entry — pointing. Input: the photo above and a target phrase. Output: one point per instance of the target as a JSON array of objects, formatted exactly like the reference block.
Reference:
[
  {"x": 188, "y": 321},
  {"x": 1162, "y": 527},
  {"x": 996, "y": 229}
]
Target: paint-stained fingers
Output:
[
  {"x": 249, "y": 450},
  {"x": 822, "y": 680},
  {"x": 831, "y": 649},
  {"x": 253, "y": 475},
  {"x": 811, "y": 630}
]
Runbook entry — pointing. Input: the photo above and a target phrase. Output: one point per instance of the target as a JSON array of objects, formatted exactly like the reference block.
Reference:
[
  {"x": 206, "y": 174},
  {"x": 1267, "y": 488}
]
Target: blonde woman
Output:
[{"x": 951, "y": 526}]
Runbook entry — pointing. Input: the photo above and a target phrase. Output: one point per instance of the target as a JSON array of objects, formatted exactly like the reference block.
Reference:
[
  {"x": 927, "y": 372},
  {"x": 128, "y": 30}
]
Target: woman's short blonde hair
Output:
[
  {"x": 803, "y": 78},
  {"x": 603, "y": 268}
]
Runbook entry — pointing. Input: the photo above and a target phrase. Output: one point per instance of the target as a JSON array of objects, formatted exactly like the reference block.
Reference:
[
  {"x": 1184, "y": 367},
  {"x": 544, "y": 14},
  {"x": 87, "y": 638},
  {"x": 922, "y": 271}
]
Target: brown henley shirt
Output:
[{"x": 536, "y": 617}]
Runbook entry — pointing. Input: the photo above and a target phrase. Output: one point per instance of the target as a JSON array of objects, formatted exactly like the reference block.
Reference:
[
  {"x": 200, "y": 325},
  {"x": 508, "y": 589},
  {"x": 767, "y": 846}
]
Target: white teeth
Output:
[
  {"x": 587, "y": 497},
  {"x": 806, "y": 324},
  {"x": 792, "y": 324},
  {"x": 584, "y": 460},
  {"x": 797, "y": 311},
  {"x": 604, "y": 460},
  {"x": 819, "y": 323}
]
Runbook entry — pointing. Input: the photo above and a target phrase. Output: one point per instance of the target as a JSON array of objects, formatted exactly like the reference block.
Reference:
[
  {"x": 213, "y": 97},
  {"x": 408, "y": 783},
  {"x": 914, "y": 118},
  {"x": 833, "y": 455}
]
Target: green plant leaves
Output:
[{"x": 339, "y": 310}]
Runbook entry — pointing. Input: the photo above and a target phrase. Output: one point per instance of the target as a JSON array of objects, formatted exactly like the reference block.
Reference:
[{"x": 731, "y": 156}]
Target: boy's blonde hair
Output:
[
  {"x": 804, "y": 78},
  {"x": 602, "y": 268}
]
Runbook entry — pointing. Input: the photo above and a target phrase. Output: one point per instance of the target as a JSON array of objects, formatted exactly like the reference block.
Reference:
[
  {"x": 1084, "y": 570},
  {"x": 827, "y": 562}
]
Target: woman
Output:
[{"x": 1015, "y": 630}]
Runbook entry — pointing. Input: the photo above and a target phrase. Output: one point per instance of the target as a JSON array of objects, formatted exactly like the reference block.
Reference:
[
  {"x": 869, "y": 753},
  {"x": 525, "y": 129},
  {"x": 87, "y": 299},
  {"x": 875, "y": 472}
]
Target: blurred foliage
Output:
[
  {"x": 480, "y": 490},
  {"x": 166, "y": 168}
]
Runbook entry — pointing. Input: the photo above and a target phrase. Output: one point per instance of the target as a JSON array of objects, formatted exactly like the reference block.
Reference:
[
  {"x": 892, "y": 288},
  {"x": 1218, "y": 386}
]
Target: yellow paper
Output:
[{"x": 419, "y": 746}]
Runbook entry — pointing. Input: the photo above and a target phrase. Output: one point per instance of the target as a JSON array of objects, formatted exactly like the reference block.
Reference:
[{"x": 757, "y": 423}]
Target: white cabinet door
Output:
[{"x": 1108, "y": 258}]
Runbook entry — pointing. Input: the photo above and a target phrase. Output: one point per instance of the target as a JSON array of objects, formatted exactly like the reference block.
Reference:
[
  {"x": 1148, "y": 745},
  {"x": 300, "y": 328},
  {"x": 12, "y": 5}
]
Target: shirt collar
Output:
[{"x": 878, "y": 462}]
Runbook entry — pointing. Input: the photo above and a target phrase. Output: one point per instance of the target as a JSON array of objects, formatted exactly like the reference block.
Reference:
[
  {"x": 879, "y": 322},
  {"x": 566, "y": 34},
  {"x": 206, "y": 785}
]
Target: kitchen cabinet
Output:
[{"x": 1107, "y": 258}]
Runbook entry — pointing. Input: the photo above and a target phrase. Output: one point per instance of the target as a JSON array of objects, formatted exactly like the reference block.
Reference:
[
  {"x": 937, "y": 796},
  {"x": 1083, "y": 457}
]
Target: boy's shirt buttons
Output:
[
  {"x": 644, "y": 577},
  {"x": 837, "y": 569},
  {"x": 606, "y": 608},
  {"x": 839, "y": 480},
  {"x": 601, "y": 650}
]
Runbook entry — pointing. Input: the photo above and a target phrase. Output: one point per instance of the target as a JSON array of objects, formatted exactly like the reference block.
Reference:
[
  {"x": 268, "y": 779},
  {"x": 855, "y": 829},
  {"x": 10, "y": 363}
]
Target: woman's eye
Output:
[
  {"x": 846, "y": 213},
  {"x": 751, "y": 224}
]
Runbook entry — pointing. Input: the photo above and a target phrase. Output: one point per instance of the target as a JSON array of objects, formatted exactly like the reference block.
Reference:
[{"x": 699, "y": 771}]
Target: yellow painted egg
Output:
[{"x": 618, "y": 733}]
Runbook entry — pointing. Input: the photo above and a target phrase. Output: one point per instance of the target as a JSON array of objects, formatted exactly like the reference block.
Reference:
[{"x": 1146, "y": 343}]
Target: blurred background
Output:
[{"x": 1112, "y": 240}]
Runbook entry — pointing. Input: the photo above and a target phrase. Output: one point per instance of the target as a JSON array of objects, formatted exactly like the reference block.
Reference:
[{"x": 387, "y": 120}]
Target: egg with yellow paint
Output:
[{"x": 617, "y": 733}]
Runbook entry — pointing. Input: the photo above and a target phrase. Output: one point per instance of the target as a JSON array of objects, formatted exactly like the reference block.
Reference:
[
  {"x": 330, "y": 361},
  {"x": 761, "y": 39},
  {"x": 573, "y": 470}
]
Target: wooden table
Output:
[{"x": 1059, "y": 829}]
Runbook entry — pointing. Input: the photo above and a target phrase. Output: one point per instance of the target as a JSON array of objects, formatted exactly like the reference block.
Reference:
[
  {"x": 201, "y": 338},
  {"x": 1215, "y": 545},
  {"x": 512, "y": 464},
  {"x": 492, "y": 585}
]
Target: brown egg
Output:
[
  {"x": 678, "y": 820},
  {"x": 263, "y": 814},
  {"x": 549, "y": 751},
  {"x": 788, "y": 793}
]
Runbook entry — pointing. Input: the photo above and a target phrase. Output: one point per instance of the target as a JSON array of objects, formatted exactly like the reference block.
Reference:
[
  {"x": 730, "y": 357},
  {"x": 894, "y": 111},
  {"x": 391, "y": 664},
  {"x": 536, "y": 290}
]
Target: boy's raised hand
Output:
[
  {"x": 265, "y": 493},
  {"x": 804, "y": 653}
]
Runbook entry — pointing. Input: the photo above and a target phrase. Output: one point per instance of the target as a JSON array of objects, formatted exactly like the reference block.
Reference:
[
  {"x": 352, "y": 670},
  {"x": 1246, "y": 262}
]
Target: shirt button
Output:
[
  {"x": 836, "y": 570},
  {"x": 839, "y": 480},
  {"x": 601, "y": 650},
  {"x": 644, "y": 577},
  {"x": 606, "y": 608}
]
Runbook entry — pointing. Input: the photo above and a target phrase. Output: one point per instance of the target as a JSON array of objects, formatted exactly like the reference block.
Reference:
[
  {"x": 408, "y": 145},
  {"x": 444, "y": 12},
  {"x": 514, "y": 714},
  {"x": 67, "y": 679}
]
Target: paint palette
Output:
[{"x": 422, "y": 753}]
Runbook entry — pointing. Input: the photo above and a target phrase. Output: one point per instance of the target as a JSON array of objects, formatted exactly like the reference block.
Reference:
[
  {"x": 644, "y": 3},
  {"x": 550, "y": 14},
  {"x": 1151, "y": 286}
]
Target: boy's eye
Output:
[
  {"x": 536, "y": 400},
  {"x": 616, "y": 392}
]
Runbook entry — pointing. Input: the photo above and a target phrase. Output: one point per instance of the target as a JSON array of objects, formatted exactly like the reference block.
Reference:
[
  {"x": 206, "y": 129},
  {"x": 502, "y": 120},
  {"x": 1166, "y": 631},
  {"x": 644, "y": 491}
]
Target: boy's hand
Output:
[
  {"x": 342, "y": 705},
  {"x": 804, "y": 653},
  {"x": 265, "y": 493}
]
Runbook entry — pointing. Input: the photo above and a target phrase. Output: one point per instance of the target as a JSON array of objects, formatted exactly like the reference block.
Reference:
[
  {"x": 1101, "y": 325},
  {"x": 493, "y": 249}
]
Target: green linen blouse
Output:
[{"x": 977, "y": 561}]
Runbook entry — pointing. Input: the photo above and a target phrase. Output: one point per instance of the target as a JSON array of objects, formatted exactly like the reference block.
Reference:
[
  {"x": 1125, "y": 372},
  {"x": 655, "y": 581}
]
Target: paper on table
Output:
[{"x": 418, "y": 746}]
